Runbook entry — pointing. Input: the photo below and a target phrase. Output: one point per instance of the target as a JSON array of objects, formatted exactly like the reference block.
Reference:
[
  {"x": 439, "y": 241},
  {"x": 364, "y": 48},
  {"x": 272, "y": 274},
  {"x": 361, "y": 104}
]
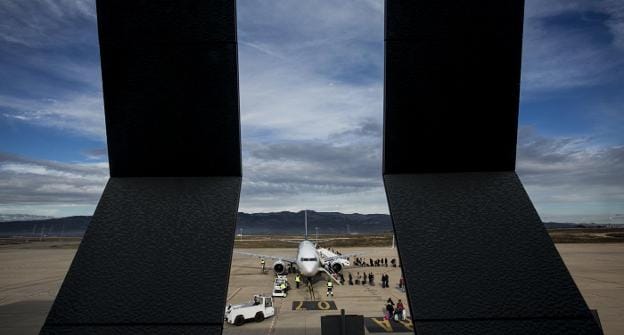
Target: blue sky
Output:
[{"x": 311, "y": 83}]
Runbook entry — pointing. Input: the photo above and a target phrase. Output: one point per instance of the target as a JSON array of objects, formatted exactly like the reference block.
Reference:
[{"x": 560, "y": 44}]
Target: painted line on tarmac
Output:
[
  {"x": 277, "y": 310},
  {"x": 233, "y": 294},
  {"x": 381, "y": 325}
]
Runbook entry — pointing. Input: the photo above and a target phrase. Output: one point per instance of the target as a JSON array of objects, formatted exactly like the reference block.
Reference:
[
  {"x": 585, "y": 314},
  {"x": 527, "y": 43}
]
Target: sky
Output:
[{"x": 311, "y": 103}]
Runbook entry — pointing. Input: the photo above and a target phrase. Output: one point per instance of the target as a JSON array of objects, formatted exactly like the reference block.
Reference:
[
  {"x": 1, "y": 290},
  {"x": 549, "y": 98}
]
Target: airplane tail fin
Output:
[{"x": 305, "y": 213}]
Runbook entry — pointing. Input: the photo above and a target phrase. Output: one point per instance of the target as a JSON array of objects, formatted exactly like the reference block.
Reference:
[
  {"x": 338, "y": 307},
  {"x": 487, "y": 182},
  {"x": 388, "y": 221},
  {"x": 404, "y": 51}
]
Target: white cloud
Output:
[
  {"x": 571, "y": 176},
  {"x": 28, "y": 182},
  {"x": 43, "y": 22},
  {"x": 560, "y": 58},
  {"x": 80, "y": 114}
]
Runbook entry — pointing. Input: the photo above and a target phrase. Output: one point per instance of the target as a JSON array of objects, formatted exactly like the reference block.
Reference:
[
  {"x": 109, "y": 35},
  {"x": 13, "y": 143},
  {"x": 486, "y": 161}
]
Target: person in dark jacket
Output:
[{"x": 390, "y": 310}]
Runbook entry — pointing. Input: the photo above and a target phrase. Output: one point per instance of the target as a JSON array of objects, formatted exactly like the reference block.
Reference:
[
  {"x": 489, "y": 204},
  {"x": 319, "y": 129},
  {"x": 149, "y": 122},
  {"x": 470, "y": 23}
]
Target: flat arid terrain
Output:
[{"x": 31, "y": 274}]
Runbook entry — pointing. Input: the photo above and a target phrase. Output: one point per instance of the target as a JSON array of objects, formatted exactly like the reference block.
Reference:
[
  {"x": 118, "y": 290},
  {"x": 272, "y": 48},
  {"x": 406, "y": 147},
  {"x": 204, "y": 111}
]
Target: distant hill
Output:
[
  {"x": 257, "y": 223},
  {"x": 22, "y": 217},
  {"x": 69, "y": 226},
  {"x": 286, "y": 223},
  {"x": 327, "y": 223}
]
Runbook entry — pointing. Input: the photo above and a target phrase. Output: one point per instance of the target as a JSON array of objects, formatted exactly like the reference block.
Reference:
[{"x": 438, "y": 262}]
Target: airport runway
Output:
[{"x": 30, "y": 279}]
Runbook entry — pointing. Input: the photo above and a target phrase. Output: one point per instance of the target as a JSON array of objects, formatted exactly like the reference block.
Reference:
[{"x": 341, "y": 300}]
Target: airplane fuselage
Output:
[{"x": 308, "y": 259}]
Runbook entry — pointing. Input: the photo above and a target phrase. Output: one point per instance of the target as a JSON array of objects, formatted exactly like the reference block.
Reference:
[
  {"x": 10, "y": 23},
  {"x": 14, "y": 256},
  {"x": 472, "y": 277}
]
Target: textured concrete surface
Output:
[
  {"x": 149, "y": 254},
  {"x": 474, "y": 248},
  {"x": 30, "y": 279}
]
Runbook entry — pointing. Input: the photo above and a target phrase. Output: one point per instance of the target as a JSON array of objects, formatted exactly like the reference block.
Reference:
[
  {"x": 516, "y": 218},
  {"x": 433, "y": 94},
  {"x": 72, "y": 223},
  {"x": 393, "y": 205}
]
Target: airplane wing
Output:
[
  {"x": 277, "y": 258},
  {"x": 344, "y": 256}
]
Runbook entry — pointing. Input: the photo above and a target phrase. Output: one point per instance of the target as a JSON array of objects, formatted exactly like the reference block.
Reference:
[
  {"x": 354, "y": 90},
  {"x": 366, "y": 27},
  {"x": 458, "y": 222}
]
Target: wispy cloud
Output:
[
  {"x": 44, "y": 22},
  {"x": 339, "y": 172},
  {"x": 25, "y": 181},
  {"x": 49, "y": 62},
  {"x": 571, "y": 175},
  {"x": 559, "y": 55},
  {"x": 311, "y": 78},
  {"x": 81, "y": 114}
]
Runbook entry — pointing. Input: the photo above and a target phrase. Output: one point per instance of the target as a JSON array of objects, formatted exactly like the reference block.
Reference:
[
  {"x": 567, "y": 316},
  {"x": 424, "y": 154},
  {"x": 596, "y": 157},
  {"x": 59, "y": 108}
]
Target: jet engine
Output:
[
  {"x": 336, "y": 267},
  {"x": 279, "y": 267}
]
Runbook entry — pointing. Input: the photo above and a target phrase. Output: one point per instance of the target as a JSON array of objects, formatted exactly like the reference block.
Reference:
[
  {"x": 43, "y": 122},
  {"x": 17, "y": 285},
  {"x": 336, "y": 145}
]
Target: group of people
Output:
[
  {"x": 361, "y": 279},
  {"x": 395, "y": 313},
  {"x": 374, "y": 262}
]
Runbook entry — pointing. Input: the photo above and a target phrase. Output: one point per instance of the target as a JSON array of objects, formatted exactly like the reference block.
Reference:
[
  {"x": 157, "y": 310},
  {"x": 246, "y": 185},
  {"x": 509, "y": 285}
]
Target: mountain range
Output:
[{"x": 283, "y": 223}]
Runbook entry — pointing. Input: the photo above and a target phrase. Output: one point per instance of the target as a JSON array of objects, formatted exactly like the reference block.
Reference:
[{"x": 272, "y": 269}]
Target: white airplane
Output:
[{"x": 309, "y": 262}]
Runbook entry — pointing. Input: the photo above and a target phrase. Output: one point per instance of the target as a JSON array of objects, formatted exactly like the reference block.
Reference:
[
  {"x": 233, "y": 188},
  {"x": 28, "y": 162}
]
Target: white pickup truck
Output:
[{"x": 258, "y": 309}]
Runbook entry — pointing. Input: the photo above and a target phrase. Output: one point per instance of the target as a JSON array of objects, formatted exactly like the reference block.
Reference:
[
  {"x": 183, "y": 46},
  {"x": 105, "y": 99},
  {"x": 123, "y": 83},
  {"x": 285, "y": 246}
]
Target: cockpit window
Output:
[{"x": 314, "y": 259}]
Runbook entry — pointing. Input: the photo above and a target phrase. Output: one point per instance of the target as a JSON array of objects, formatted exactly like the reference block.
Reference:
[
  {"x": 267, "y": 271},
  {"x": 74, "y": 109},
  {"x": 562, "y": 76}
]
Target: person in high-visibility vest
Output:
[
  {"x": 297, "y": 280},
  {"x": 330, "y": 286},
  {"x": 262, "y": 263},
  {"x": 283, "y": 287}
]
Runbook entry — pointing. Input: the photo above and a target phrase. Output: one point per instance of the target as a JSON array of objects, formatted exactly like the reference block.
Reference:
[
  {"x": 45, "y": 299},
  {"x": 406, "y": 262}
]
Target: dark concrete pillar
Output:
[
  {"x": 475, "y": 254},
  {"x": 156, "y": 256}
]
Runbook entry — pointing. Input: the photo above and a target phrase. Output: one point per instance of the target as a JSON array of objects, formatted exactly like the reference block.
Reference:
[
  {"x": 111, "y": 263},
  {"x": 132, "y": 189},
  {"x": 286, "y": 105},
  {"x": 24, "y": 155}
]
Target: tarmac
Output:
[
  {"x": 246, "y": 279},
  {"x": 30, "y": 279}
]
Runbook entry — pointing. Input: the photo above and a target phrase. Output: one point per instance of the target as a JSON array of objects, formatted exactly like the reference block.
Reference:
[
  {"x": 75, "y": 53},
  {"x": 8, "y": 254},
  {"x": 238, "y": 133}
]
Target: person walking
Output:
[
  {"x": 262, "y": 263},
  {"x": 330, "y": 287},
  {"x": 390, "y": 310},
  {"x": 350, "y": 279},
  {"x": 298, "y": 280},
  {"x": 400, "y": 309}
]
